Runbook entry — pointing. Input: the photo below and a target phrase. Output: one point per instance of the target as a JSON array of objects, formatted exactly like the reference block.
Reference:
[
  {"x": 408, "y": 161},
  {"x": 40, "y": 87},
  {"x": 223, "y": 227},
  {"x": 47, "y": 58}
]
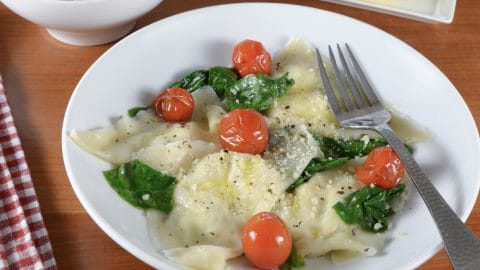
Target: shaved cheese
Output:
[{"x": 291, "y": 149}]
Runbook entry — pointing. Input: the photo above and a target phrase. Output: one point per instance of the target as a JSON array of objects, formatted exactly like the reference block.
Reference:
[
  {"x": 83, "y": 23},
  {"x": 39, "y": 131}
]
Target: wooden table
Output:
[{"x": 40, "y": 74}]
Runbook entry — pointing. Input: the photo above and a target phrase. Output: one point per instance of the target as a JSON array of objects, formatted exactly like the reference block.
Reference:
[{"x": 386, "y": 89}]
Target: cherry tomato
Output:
[
  {"x": 382, "y": 168},
  {"x": 174, "y": 105},
  {"x": 250, "y": 57},
  {"x": 266, "y": 241},
  {"x": 245, "y": 131}
]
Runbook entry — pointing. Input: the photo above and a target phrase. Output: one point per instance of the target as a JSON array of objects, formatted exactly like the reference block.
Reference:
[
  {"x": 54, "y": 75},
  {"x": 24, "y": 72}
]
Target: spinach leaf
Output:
[
  {"x": 294, "y": 260},
  {"x": 350, "y": 148},
  {"x": 368, "y": 207},
  {"x": 193, "y": 81},
  {"x": 316, "y": 165},
  {"x": 133, "y": 111},
  {"x": 256, "y": 91},
  {"x": 142, "y": 186},
  {"x": 221, "y": 79}
]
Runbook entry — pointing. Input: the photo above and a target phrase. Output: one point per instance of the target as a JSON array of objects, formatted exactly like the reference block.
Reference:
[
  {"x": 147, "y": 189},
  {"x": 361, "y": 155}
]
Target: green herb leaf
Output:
[
  {"x": 142, "y": 186},
  {"x": 221, "y": 79},
  {"x": 256, "y": 91},
  {"x": 294, "y": 260},
  {"x": 350, "y": 148},
  {"x": 316, "y": 165},
  {"x": 193, "y": 81},
  {"x": 133, "y": 111},
  {"x": 367, "y": 207}
]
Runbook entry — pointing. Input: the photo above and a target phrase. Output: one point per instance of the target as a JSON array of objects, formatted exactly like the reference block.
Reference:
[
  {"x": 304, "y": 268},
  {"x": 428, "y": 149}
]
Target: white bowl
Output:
[{"x": 83, "y": 22}]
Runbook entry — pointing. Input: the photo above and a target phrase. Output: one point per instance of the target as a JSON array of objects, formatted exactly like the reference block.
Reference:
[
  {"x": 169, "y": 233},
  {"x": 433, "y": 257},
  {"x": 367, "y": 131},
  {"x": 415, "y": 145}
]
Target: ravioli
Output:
[
  {"x": 315, "y": 227},
  {"x": 218, "y": 191},
  {"x": 305, "y": 103},
  {"x": 214, "y": 200}
]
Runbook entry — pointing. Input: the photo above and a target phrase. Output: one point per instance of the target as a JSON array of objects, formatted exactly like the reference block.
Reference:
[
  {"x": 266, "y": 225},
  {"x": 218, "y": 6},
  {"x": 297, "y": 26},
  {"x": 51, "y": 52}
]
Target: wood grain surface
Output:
[{"x": 40, "y": 74}]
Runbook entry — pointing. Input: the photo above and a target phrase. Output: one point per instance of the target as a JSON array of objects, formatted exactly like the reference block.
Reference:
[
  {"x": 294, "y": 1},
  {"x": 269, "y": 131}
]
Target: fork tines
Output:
[{"x": 354, "y": 90}]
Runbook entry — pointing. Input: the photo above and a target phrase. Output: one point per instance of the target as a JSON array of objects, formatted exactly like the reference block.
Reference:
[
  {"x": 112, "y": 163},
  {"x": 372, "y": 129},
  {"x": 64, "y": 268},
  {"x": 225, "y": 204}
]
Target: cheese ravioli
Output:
[
  {"x": 215, "y": 199},
  {"x": 218, "y": 191}
]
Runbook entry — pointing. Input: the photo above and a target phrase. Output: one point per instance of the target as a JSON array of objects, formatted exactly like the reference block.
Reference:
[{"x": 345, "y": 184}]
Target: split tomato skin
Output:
[
  {"x": 174, "y": 105},
  {"x": 267, "y": 243},
  {"x": 251, "y": 57},
  {"x": 382, "y": 168},
  {"x": 244, "y": 131}
]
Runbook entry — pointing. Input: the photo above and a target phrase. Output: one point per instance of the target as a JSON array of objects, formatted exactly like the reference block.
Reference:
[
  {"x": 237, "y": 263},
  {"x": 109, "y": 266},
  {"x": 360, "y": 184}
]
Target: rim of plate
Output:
[{"x": 153, "y": 261}]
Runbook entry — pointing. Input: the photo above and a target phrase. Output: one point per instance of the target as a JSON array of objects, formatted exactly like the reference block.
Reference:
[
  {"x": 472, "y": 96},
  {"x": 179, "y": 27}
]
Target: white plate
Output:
[
  {"x": 138, "y": 67},
  {"x": 423, "y": 10}
]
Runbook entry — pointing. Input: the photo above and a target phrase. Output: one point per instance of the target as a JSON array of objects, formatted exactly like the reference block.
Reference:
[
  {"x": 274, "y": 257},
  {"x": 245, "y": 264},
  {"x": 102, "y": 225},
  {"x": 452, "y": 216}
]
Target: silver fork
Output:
[{"x": 359, "y": 107}]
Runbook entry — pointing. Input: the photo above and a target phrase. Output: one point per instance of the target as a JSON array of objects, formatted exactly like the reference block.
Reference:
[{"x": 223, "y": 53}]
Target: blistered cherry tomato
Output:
[
  {"x": 382, "y": 168},
  {"x": 245, "y": 131},
  {"x": 174, "y": 105},
  {"x": 250, "y": 57},
  {"x": 267, "y": 243}
]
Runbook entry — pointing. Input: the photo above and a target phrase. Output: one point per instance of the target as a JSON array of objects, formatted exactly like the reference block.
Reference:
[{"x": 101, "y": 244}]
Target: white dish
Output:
[
  {"x": 137, "y": 68},
  {"x": 83, "y": 22},
  {"x": 424, "y": 10}
]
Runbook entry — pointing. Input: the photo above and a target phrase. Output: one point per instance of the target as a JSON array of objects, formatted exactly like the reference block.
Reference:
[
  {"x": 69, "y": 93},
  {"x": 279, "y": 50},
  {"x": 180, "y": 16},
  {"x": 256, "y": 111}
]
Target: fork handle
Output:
[{"x": 463, "y": 247}]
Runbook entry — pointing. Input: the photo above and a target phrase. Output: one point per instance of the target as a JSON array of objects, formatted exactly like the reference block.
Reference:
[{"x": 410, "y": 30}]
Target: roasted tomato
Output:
[
  {"x": 250, "y": 57},
  {"x": 382, "y": 168},
  {"x": 174, "y": 105},
  {"x": 245, "y": 131},
  {"x": 267, "y": 243}
]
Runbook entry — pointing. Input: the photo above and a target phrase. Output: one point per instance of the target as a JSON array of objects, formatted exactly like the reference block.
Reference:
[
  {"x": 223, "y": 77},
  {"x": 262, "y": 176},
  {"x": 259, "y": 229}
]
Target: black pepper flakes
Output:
[
  {"x": 212, "y": 233},
  {"x": 269, "y": 190},
  {"x": 287, "y": 107},
  {"x": 340, "y": 192},
  {"x": 349, "y": 187}
]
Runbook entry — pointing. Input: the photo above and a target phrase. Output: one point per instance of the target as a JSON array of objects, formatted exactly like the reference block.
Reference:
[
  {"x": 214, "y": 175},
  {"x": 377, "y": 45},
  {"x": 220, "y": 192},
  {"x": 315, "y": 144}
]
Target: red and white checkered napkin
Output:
[{"x": 24, "y": 242}]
